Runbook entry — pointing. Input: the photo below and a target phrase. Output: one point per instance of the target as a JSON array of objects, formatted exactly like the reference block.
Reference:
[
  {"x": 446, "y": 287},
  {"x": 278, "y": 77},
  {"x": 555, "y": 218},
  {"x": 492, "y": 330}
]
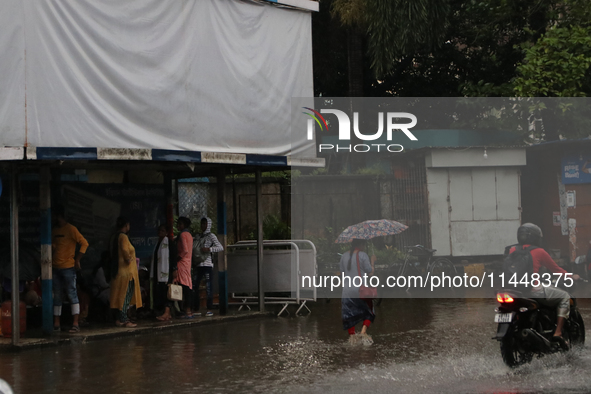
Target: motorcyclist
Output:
[{"x": 529, "y": 234}]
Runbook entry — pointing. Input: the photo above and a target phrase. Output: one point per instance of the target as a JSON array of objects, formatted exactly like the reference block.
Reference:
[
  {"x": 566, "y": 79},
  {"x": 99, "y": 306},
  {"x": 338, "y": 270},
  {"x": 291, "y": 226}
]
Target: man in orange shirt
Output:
[{"x": 65, "y": 260}]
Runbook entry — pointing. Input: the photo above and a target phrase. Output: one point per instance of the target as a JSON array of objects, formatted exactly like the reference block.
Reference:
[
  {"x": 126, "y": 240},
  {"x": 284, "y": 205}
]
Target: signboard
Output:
[
  {"x": 556, "y": 219},
  {"x": 571, "y": 201},
  {"x": 576, "y": 169}
]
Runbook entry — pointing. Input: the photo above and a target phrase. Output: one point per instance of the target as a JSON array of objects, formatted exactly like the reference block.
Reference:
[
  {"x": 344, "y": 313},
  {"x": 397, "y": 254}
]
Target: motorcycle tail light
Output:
[{"x": 504, "y": 298}]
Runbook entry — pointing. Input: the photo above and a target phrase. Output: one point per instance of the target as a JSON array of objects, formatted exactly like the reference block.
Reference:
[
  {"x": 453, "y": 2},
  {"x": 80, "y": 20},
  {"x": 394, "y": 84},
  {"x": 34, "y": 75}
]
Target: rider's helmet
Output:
[{"x": 529, "y": 234}]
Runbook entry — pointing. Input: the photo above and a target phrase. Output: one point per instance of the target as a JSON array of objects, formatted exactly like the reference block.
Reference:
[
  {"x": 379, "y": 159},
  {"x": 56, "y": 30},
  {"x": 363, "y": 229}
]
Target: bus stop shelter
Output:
[{"x": 194, "y": 88}]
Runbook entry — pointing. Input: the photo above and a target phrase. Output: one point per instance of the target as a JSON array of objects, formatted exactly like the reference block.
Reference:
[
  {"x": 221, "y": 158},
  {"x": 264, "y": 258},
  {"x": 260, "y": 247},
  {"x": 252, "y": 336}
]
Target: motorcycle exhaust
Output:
[{"x": 534, "y": 337}]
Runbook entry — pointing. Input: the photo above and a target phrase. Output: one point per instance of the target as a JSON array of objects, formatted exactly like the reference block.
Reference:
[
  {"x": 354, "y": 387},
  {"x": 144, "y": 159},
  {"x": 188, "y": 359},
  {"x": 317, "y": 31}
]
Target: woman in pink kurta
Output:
[
  {"x": 182, "y": 273},
  {"x": 184, "y": 252}
]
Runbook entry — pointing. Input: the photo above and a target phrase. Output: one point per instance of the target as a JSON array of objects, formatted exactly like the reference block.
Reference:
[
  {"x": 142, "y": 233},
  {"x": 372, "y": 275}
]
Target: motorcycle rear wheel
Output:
[
  {"x": 577, "y": 329},
  {"x": 512, "y": 355}
]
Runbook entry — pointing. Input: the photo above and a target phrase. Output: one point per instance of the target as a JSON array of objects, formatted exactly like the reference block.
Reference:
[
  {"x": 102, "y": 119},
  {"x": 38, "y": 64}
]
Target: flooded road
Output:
[{"x": 421, "y": 346}]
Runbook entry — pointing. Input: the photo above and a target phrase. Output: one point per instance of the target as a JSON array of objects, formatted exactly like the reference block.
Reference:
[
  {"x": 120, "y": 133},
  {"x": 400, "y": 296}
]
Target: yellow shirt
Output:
[{"x": 63, "y": 244}]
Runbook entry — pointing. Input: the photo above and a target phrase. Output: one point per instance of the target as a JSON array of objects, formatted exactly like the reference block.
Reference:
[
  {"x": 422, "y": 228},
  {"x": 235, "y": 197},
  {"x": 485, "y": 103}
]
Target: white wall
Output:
[{"x": 474, "y": 210}]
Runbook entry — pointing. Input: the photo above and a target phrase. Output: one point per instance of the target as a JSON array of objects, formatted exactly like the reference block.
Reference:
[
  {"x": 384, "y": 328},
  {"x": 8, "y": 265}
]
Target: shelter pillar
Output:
[
  {"x": 169, "y": 205},
  {"x": 46, "y": 258},
  {"x": 14, "y": 255},
  {"x": 259, "y": 203},
  {"x": 223, "y": 238}
]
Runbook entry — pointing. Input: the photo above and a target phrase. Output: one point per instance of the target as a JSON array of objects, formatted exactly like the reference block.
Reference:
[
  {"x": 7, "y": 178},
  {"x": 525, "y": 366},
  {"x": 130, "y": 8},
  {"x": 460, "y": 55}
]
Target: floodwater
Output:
[{"x": 421, "y": 346}]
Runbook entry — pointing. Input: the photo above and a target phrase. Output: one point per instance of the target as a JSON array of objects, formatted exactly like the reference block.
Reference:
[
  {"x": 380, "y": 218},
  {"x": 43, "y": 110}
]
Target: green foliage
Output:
[
  {"x": 557, "y": 65},
  {"x": 397, "y": 28},
  {"x": 394, "y": 28},
  {"x": 389, "y": 255},
  {"x": 273, "y": 228},
  {"x": 351, "y": 13},
  {"x": 474, "y": 48},
  {"x": 326, "y": 248},
  {"x": 376, "y": 169},
  {"x": 461, "y": 48},
  {"x": 320, "y": 171}
]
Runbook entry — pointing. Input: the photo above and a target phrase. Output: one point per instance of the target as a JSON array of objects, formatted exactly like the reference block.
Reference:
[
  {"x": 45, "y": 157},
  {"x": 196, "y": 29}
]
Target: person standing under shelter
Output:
[
  {"x": 181, "y": 274},
  {"x": 65, "y": 262},
  {"x": 207, "y": 243},
  {"x": 125, "y": 286},
  {"x": 160, "y": 268},
  {"x": 184, "y": 245}
]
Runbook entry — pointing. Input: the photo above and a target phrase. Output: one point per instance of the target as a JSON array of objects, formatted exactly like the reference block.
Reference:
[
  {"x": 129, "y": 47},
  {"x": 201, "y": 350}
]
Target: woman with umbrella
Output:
[
  {"x": 355, "y": 310},
  {"x": 356, "y": 307}
]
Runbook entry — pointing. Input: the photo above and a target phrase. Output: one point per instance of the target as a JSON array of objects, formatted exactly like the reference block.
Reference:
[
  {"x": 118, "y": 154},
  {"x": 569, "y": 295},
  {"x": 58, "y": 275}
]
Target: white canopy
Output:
[{"x": 192, "y": 75}]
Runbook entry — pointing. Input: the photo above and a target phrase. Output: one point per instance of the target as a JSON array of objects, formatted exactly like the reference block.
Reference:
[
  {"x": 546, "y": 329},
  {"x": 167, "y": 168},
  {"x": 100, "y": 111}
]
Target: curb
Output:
[{"x": 109, "y": 332}]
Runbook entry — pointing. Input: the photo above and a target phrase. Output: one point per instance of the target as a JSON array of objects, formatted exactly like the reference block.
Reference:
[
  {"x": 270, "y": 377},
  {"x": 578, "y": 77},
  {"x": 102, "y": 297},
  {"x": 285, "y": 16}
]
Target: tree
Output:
[
  {"x": 472, "y": 48},
  {"x": 399, "y": 28},
  {"x": 386, "y": 29},
  {"x": 557, "y": 65},
  {"x": 478, "y": 53},
  {"x": 450, "y": 47}
]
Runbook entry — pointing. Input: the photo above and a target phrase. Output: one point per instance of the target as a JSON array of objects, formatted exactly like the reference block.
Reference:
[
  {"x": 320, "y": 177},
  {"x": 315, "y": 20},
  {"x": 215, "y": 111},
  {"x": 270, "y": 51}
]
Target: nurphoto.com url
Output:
[{"x": 439, "y": 281}]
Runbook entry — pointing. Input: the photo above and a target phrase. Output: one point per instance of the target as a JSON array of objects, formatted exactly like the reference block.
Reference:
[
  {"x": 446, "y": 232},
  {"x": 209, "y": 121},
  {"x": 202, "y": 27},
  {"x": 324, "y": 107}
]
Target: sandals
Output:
[
  {"x": 160, "y": 318},
  {"x": 74, "y": 329},
  {"x": 187, "y": 317}
]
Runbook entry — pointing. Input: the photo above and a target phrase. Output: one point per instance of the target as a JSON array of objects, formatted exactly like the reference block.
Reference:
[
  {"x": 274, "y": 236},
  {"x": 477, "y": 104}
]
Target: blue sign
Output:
[{"x": 576, "y": 169}]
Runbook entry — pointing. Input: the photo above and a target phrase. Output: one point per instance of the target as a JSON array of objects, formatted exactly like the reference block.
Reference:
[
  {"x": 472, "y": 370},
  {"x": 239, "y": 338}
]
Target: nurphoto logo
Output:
[{"x": 391, "y": 120}]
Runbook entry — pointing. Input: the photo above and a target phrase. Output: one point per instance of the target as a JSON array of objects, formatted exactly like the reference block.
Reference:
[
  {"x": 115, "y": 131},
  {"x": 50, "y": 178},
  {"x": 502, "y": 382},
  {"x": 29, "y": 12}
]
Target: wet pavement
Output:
[
  {"x": 34, "y": 338},
  {"x": 421, "y": 346}
]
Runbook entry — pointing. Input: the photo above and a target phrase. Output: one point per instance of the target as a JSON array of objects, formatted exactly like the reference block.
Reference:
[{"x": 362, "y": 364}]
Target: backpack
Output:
[{"x": 518, "y": 264}]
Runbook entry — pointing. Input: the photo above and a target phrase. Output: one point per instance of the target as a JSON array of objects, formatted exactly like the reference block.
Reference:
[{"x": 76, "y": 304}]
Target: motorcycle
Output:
[{"x": 525, "y": 328}]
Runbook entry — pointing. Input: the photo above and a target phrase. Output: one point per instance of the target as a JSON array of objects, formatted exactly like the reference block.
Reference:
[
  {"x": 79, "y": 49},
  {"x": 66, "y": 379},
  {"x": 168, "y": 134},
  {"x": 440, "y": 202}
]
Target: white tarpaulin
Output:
[
  {"x": 198, "y": 75},
  {"x": 12, "y": 74}
]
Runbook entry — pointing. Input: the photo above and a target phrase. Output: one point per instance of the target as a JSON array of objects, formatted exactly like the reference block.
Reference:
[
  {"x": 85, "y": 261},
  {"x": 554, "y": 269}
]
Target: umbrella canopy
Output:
[{"x": 370, "y": 229}]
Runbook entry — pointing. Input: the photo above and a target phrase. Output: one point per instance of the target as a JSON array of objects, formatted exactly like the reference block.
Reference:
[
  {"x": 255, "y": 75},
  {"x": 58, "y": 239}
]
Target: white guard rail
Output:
[{"x": 283, "y": 270}]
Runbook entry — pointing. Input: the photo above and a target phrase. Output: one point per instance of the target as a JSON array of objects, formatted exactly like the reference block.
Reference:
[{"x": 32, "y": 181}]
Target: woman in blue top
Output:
[{"x": 354, "y": 309}]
